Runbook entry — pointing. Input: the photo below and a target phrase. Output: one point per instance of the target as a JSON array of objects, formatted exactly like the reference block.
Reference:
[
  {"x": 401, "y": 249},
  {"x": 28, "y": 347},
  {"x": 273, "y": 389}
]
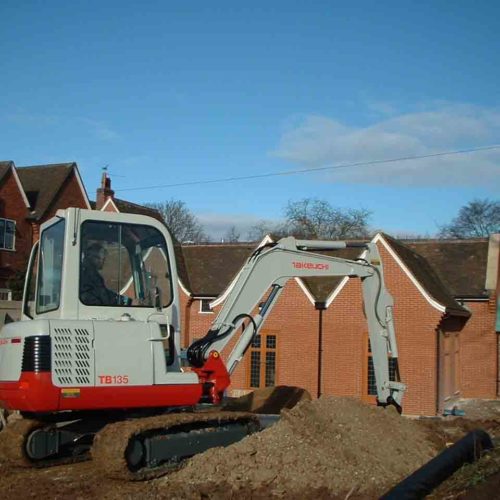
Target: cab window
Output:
[
  {"x": 123, "y": 265},
  {"x": 51, "y": 263}
]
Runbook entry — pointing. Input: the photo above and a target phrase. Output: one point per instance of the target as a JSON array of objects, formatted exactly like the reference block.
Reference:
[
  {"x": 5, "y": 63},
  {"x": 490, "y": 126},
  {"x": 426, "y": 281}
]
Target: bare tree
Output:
[
  {"x": 313, "y": 218},
  {"x": 181, "y": 222},
  {"x": 232, "y": 235},
  {"x": 262, "y": 228},
  {"x": 477, "y": 219}
]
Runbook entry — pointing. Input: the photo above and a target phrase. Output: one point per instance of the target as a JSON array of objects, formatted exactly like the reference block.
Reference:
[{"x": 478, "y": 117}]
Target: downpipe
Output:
[{"x": 419, "y": 484}]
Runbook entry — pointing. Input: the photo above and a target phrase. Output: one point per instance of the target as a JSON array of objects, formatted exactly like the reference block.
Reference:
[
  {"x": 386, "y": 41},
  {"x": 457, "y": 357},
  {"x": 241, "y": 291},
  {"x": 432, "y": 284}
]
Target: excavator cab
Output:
[
  {"x": 100, "y": 322},
  {"x": 118, "y": 264}
]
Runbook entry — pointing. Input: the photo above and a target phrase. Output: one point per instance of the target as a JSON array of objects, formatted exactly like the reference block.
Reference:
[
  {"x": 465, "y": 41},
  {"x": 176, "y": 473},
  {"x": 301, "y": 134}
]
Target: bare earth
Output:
[{"x": 327, "y": 448}]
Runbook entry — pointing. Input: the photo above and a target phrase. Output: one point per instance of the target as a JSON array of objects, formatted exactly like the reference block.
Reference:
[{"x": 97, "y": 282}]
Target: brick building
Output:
[
  {"x": 316, "y": 337},
  {"x": 28, "y": 197}
]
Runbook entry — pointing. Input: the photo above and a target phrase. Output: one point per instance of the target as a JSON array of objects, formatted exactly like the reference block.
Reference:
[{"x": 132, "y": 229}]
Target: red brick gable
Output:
[
  {"x": 13, "y": 207},
  {"x": 68, "y": 195}
]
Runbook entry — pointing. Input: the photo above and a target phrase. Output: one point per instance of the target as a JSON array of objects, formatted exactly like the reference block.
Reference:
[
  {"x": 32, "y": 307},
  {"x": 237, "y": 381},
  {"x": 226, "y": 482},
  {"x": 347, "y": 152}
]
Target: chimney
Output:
[{"x": 104, "y": 192}]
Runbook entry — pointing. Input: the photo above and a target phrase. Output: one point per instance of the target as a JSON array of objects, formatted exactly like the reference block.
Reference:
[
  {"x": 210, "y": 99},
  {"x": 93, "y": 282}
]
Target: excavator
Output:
[{"x": 95, "y": 366}]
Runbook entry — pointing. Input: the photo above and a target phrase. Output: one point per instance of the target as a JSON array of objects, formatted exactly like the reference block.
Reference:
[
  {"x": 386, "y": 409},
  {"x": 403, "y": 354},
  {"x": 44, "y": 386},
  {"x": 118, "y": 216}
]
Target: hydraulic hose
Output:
[{"x": 197, "y": 351}]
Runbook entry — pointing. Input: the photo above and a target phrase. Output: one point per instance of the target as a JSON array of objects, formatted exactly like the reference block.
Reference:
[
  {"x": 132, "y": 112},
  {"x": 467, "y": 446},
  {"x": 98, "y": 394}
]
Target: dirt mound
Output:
[
  {"x": 332, "y": 445},
  {"x": 269, "y": 400}
]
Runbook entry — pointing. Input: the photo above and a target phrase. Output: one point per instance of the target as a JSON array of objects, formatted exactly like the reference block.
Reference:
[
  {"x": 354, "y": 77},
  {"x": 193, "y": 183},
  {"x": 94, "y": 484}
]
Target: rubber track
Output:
[
  {"x": 12, "y": 447},
  {"x": 108, "y": 450}
]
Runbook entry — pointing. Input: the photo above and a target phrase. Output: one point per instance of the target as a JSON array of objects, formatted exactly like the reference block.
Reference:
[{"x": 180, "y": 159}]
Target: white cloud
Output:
[{"x": 321, "y": 141}]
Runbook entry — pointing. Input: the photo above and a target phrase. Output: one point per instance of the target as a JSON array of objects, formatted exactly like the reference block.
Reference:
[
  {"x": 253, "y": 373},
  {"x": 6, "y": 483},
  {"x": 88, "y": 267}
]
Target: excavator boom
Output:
[{"x": 268, "y": 270}]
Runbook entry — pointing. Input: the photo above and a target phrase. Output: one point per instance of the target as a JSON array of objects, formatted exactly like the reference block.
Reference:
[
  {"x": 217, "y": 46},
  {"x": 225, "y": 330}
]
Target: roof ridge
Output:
[
  {"x": 134, "y": 204},
  {"x": 446, "y": 241},
  {"x": 48, "y": 165}
]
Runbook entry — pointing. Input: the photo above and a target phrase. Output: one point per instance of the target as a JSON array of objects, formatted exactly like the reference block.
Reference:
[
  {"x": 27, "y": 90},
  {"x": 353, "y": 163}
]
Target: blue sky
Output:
[{"x": 171, "y": 92}]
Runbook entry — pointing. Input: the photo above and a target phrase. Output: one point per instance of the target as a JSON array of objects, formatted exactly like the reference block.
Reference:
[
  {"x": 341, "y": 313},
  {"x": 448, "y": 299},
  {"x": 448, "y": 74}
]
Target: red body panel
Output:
[{"x": 34, "y": 392}]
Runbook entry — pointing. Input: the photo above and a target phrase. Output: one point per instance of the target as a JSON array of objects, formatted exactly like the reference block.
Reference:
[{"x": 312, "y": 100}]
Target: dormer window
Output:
[{"x": 7, "y": 234}]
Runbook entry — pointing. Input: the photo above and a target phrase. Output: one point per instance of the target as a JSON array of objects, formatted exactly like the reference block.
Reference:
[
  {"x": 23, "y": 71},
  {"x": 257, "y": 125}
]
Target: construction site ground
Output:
[{"x": 326, "y": 448}]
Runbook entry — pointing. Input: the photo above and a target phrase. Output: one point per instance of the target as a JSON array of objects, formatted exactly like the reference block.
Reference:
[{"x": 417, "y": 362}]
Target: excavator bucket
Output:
[{"x": 269, "y": 400}]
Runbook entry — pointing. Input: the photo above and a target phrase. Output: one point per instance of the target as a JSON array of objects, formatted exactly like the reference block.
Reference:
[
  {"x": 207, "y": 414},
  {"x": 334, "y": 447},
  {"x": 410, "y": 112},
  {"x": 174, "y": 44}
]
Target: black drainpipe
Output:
[{"x": 320, "y": 306}]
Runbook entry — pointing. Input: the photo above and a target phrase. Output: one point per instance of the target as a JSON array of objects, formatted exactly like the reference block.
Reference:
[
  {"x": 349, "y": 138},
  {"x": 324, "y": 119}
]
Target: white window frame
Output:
[
  {"x": 6, "y": 292},
  {"x": 202, "y": 301},
  {"x": 13, "y": 249}
]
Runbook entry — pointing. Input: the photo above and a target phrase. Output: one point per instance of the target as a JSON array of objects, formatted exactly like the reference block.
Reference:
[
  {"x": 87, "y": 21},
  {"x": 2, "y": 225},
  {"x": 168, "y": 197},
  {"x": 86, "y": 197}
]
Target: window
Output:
[
  {"x": 7, "y": 234},
  {"x": 123, "y": 265},
  {"x": 51, "y": 263},
  {"x": 371, "y": 384},
  {"x": 5, "y": 294},
  {"x": 263, "y": 361},
  {"x": 205, "y": 306}
]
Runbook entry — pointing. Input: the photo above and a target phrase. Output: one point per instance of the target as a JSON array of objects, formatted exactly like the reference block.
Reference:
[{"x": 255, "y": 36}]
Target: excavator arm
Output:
[{"x": 269, "y": 268}]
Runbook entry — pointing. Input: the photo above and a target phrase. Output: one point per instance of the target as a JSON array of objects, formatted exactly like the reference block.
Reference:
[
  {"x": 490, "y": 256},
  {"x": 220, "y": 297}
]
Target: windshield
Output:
[{"x": 123, "y": 265}]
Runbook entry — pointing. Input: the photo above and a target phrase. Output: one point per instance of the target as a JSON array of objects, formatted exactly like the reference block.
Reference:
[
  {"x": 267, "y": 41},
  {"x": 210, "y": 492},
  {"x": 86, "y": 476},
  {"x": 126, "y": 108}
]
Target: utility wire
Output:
[{"x": 316, "y": 169}]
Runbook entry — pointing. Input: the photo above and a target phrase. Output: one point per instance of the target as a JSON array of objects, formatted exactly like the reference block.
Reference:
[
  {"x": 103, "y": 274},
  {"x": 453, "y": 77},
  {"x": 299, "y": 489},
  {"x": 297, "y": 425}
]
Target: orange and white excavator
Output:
[{"x": 96, "y": 362}]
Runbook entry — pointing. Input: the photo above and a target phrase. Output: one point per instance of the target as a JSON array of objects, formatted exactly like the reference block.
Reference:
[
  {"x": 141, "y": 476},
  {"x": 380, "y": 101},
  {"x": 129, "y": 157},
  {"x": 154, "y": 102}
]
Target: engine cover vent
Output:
[{"x": 72, "y": 353}]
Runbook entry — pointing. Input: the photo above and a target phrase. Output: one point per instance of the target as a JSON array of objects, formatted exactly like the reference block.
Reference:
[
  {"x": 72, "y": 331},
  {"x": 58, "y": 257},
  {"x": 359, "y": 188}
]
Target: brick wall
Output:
[
  {"x": 479, "y": 353},
  {"x": 12, "y": 206},
  {"x": 70, "y": 195},
  {"x": 294, "y": 320}
]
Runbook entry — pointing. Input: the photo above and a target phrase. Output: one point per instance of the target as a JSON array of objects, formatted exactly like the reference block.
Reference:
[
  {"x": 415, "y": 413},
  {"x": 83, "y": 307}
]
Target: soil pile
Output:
[{"x": 333, "y": 445}]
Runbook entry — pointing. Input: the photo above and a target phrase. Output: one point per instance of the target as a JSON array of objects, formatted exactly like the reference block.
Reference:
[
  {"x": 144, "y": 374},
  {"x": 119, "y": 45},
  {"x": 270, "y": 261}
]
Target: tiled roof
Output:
[
  {"x": 212, "y": 267},
  {"x": 427, "y": 276},
  {"x": 5, "y": 167},
  {"x": 41, "y": 184},
  {"x": 460, "y": 264},
  {"x": 132, "y": 208}
]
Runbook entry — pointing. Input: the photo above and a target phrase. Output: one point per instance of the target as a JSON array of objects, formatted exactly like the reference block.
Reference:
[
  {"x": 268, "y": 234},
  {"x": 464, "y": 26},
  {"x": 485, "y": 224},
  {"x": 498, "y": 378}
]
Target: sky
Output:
[{"x": 171, "y": 92}]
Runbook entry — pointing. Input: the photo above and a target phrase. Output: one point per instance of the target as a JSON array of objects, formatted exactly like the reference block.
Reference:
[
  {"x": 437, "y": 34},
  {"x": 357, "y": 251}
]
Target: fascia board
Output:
[
  {"x": 379, "y": 238},
  {"x": 82, "y": 187},
  {"x": 340, "y": 286},
  {"x": 420, "y": 288},
  {"x": 306, "y": 291},
  {"x": 20, "y": 187},
  {"x": 110, "y": 201},
  {"x": 267, "y": 239},
  {"x": 183, "y": 288}
]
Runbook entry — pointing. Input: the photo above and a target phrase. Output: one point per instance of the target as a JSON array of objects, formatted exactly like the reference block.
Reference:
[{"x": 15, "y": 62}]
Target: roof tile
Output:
[{"x": 41, "y": 183}]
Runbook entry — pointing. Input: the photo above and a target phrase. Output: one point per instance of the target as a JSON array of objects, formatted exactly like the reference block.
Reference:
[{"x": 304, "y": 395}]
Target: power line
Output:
[{"x": 315, "y": 169}]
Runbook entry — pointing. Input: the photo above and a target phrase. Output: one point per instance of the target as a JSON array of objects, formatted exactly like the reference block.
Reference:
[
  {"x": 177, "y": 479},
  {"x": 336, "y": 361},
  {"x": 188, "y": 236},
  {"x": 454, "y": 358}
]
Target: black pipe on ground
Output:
[{"x": 434, "y": 472}]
